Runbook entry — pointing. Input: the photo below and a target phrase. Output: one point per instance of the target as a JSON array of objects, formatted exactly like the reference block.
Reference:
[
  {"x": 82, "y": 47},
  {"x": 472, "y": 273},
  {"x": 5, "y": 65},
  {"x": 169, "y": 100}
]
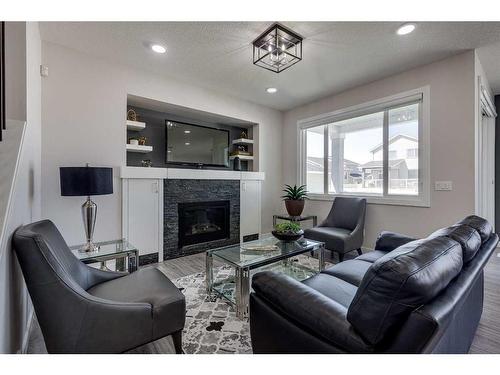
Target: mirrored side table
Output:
[{"x": 125, "y": 254}]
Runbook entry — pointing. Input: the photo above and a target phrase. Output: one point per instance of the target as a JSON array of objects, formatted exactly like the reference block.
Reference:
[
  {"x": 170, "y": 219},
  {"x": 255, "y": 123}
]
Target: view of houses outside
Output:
[{"x": 355, "y": 154}]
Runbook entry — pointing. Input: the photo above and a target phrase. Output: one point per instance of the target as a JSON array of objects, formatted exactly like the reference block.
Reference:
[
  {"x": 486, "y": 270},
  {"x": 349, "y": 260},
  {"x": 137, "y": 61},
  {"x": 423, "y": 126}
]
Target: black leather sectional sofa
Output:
[{"x": 406, "y": 296}]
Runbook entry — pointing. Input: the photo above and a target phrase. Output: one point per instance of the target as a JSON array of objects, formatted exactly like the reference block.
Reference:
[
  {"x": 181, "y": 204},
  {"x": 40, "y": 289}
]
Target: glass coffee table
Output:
[{"x": 246, "y": 260}]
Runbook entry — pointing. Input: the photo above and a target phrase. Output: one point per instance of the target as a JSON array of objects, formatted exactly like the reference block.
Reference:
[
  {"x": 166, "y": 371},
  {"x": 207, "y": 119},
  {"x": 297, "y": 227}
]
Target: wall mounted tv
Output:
[{"x": 189, "y": 144}]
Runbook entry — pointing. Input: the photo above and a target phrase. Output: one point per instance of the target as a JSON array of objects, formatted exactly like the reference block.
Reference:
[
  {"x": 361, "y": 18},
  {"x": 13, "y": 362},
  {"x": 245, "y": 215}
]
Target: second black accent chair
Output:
[{"x": 343, "y": 229}]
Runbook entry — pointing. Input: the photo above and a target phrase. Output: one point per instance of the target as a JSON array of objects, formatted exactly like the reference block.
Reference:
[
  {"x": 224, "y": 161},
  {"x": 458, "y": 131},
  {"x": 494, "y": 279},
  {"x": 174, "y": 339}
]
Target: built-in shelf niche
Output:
[{"x": 152, "y": 115}]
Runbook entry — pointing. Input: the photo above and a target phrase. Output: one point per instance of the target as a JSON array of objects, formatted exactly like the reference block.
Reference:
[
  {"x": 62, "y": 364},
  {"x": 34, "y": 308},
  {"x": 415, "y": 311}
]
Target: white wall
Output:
[
  {"x": 83, "y": 111},
  {"x": 15, "y": 306},
  {"x": 452, "y": 119}
]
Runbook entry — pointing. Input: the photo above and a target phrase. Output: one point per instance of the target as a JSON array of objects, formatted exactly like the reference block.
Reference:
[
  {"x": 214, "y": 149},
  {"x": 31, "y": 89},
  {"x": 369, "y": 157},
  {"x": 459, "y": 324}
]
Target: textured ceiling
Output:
[{"x": 218, "y": 55}]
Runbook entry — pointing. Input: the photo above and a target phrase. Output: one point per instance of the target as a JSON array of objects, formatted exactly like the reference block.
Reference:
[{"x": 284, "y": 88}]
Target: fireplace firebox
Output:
[{"x": 203, "y": 222}]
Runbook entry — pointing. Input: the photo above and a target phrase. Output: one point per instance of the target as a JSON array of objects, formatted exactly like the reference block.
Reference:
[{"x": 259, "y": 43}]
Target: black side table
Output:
[{"x": 314, "y": 219}]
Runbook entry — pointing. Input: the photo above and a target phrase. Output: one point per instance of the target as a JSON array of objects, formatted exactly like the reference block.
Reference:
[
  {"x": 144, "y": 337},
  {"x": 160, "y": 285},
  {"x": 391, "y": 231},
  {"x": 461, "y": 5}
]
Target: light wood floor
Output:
[{"x": 486, "y": 341}]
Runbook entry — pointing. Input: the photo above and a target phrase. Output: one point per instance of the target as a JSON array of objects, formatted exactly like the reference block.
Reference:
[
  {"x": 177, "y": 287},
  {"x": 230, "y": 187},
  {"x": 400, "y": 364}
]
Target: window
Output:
[
  {"x": 412, "y": 153},
  {"x": 315, "y": 166},
  {"x": 373, "y": 150},
  {"x": 350, "y": 143}
]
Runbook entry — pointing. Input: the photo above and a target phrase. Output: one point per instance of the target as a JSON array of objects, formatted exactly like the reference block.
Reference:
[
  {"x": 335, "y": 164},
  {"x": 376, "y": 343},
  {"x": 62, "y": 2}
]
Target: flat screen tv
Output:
[{"x": 189, "y": 144}]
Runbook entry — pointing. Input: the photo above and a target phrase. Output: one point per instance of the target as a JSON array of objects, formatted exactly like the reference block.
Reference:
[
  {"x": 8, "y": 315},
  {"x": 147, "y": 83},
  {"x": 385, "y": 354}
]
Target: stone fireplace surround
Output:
[{"x": 193, "y": 190}]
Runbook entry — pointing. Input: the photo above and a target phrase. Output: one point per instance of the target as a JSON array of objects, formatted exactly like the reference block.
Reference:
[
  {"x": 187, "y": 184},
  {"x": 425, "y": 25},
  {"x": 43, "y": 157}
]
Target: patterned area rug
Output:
[{"x": 211, "y": 323}]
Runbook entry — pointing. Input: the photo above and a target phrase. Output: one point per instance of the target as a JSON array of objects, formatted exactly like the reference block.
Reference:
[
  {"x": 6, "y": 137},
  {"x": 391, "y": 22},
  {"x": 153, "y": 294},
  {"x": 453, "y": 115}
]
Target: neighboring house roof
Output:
[
  {"x": 379, "y": 163},
  {"x": 394, "y": 139},
  {"x": 315, "y": 164}
]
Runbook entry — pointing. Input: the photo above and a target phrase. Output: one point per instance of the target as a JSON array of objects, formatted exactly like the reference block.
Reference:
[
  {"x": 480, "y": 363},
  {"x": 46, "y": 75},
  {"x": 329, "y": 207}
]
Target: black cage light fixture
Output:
[{"x": 277, "y": 48}]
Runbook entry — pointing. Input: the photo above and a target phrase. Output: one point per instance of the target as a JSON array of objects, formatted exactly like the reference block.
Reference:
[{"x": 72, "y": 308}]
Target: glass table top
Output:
[
  {"x": 248, "y": 254},
  {"x": 106, "y": 248}
]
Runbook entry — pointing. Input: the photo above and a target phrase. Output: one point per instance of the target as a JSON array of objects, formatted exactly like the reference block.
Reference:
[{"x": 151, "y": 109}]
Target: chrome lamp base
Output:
[{"x": 89, "y": 214}]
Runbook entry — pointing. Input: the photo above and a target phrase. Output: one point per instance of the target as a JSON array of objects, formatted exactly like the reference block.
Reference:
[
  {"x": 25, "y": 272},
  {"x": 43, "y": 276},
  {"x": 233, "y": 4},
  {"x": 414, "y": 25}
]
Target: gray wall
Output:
[
  {"x": 15, "y": 70},
  {"x": 452, "y": 144},
  {"x": 84, "y": 104}
]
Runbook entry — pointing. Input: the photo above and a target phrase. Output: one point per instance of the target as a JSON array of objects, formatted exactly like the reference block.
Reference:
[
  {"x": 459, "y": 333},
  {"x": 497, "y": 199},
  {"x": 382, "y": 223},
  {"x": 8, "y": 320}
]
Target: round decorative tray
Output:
[{"x": 288, "y": 237}]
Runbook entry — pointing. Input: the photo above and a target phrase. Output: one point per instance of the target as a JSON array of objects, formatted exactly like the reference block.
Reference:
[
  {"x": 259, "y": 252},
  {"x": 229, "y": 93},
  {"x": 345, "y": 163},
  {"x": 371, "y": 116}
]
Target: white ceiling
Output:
[{"x": 337, "y": 55}]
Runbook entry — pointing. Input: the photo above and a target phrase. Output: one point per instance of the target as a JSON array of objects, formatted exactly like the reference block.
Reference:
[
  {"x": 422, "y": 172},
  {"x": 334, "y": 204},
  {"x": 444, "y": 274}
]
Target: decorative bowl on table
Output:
[{"x": 288, "y": 236}]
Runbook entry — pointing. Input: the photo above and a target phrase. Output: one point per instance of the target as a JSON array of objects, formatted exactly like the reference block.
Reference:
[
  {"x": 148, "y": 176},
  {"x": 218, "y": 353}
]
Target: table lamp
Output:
[{"x": 87, "y": 181}]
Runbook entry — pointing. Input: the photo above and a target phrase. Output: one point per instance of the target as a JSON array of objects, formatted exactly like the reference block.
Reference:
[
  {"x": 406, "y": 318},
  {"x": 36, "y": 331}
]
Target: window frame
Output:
[{"x": 422, "y": 95}]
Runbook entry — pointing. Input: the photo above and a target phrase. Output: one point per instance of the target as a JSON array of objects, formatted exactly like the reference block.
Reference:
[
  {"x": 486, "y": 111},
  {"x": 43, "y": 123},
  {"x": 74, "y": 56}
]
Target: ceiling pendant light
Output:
[{"x": 277, "y": 49}]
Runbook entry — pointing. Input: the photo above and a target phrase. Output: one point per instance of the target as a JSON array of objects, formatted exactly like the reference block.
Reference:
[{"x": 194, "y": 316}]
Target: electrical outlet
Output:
[
  {"x": 443, "y": 186},
  {"x": 44, "y": 70}
]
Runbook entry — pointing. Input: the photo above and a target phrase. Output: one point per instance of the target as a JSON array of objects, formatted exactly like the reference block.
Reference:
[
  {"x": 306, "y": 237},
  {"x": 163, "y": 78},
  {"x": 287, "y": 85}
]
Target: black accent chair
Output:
[
  {"x": 406, "y": 296},
  {"x": 86, "y": 310},
  {"x": 343, "y": 229}
]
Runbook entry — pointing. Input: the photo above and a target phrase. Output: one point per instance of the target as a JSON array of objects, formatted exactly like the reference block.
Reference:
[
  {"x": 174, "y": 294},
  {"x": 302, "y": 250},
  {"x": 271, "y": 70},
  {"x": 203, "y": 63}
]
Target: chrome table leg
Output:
[
  {"x": 209, "y": 271},
  {"x": 242, "y": 292},
  {"x": 321, "y": 257}
]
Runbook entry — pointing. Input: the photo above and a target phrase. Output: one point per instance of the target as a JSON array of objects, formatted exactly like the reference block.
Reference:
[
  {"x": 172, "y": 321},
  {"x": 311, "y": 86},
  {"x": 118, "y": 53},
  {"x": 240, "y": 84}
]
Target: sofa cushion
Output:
[
  {"x": 478, "y": 223},
  {"x": 388, "y": 241},
  {"x": 336, "y": 239},
  {"x": 151, "y": 286},
  {"x": 401, "y": 281},
  {"x": 466, "y": 236},
  {"x": 371, "y": 256},
  {"x": 332, "y": 287},
  {"x": 351, "y": 271}
]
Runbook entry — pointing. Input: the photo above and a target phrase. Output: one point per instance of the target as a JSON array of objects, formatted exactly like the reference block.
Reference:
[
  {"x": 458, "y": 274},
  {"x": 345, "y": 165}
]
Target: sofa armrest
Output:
[
  {"x": 388, "y": 241},
  {"x": 304, "y": 306}
]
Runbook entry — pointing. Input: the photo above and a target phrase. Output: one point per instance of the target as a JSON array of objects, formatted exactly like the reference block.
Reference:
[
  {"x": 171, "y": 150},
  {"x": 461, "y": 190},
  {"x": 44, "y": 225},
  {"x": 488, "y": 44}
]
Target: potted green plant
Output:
[
  {"x": 287, "y": 231},
  {"x": 295, "y": 199}
]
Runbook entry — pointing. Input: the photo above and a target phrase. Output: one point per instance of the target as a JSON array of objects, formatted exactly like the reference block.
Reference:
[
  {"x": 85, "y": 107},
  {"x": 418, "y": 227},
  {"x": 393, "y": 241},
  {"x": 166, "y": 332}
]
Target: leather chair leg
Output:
[
  {"x": 359, "y": 251},
  {"x": 341, "y": 257},
  {"x": 177, "y": 338}
]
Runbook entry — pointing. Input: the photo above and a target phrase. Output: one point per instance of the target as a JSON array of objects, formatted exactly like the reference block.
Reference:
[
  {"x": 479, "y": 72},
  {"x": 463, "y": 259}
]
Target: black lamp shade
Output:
[{"x": 85, "y": 181}]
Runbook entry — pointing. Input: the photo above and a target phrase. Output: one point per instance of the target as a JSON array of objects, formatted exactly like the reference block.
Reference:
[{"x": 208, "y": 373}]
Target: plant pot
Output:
[{"x": 294, "y": 207}]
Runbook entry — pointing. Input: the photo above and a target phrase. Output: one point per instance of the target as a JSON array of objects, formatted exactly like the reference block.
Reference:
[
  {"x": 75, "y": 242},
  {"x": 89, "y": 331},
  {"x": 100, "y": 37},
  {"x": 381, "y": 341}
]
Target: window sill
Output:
[{"x": 373, "y": 199}]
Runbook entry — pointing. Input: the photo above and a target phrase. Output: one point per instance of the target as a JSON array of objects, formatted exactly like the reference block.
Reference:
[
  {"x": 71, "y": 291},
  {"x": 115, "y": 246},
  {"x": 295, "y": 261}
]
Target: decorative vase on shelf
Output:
[
  {"x": 237, "y": 164},
  {"x": 295, "y": 199}
]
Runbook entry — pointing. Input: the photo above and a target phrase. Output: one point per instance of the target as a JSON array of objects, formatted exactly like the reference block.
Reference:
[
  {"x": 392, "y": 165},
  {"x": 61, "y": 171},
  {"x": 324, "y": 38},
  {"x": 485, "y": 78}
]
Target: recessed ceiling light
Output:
[
  {"x": 187, "y": 131},
  {"x": 271, "y": 90},
  {"x": 406, "y": 29},
  {"x": 187, "y": 143},
  {"x": 158, "y": 49}
]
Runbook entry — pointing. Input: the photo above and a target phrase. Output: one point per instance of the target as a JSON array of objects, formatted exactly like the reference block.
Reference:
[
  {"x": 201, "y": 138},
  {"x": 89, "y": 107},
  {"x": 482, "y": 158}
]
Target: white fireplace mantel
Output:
[{"x": 189, "y": 174}]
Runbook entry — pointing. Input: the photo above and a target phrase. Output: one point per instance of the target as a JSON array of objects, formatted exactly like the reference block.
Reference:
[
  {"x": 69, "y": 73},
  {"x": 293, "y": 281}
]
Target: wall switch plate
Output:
[{"x": 443, "y": 186}]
